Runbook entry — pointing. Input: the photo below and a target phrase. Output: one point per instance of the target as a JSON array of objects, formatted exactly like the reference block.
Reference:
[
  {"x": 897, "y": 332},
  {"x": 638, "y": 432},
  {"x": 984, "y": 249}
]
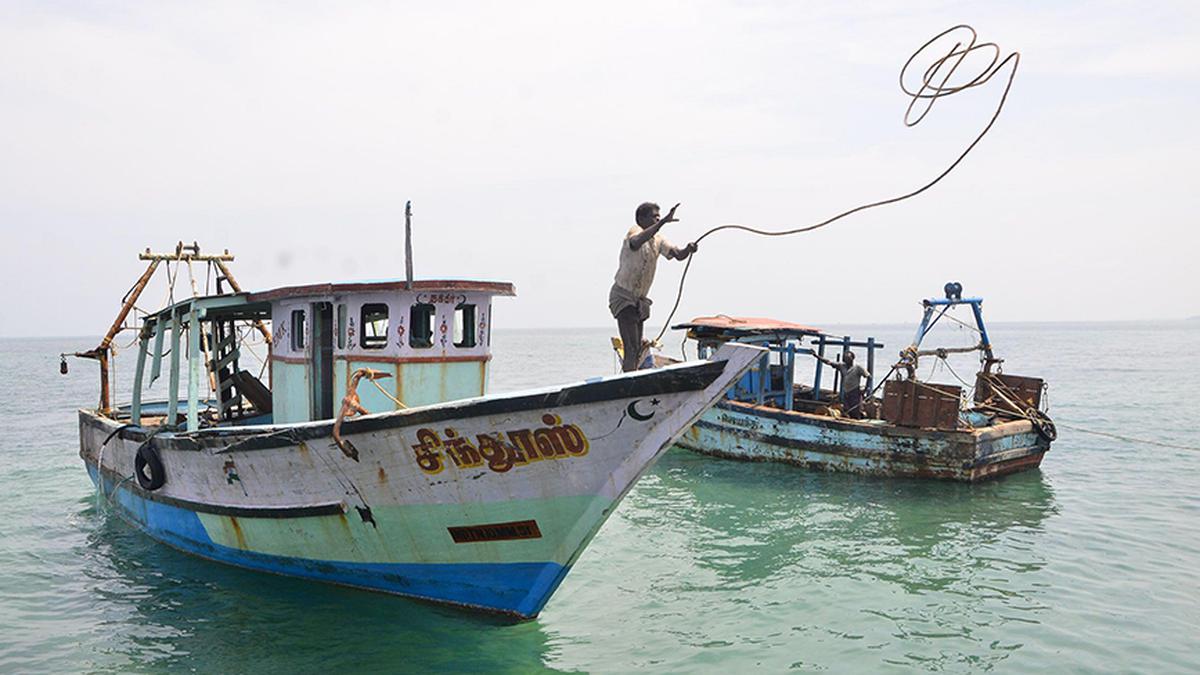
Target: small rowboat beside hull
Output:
[{"x": 485, "y": 502}]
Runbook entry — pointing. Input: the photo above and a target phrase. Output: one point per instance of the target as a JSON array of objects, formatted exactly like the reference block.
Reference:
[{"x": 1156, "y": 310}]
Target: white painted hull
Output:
[{"x": 495, "y": 522}]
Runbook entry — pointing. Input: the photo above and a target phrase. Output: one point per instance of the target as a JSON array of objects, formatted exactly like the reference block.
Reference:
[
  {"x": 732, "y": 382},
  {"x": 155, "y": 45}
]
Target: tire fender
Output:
[{"x": 148, "y": 468}]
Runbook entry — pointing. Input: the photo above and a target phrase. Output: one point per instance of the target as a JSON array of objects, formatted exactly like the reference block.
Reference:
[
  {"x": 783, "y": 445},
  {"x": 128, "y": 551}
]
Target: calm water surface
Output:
[{"x": 1090, "y": 564}]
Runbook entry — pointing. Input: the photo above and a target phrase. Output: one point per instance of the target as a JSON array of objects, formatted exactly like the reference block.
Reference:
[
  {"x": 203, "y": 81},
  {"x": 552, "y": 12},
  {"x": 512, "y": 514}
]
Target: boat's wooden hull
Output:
[
  {"x": 485, "y": 502},
  {"x": 745, "y": 431}
]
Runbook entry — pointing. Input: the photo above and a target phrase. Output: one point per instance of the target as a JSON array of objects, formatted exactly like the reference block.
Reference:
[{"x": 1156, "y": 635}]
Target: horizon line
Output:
[{"x": 840, "y": 323}]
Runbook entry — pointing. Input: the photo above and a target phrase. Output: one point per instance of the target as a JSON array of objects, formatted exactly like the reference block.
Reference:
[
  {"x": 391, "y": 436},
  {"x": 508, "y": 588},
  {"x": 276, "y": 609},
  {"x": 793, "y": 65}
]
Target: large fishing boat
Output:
[
  {"x": 916, "y": 429},
  {"x": 375, "y": 457}
]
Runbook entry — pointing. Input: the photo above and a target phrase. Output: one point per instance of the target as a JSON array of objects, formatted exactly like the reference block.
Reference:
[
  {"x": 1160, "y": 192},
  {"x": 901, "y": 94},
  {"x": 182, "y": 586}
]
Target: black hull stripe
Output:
[
  {"x": 306, "y": 511},
  {"x": 652, "y": 383}
]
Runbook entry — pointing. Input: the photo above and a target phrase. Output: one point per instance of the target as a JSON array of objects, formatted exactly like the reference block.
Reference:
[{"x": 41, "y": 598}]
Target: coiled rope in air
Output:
[{"x": 934, "y": 84}]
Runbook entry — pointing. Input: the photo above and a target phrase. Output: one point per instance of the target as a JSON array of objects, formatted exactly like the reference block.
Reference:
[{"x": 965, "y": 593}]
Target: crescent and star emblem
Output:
[{"x": 633, "y": 411}]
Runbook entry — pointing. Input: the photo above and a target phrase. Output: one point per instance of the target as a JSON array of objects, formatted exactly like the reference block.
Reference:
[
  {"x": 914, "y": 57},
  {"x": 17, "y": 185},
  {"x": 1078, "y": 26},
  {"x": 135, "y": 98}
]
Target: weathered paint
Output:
[
  {"x": 395, "y": 535},
  {"x": 744, "y": 431},
  {"x": 290, "y": 392},
  {"x": 517, "y": 588},
  {"x": 429, "y": 383},
  {"x": 414, "y": 383},
  {"x": 420, "y": 375},
  {"x": 368, "y": 394}
]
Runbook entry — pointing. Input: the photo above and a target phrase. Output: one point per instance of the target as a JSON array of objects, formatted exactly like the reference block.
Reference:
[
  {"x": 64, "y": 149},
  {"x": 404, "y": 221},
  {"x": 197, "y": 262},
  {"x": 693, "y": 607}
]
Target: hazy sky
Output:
[{"x": 526, "y": 133}]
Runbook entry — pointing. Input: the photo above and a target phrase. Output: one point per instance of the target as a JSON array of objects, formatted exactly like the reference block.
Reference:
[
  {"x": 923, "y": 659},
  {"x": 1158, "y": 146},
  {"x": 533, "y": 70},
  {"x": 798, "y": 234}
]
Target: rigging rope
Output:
[
  {"x": 385, "y": 393},
  {"x": 927, "y": 94},
  {"x": 963, "y": 324},
  {"x": 1129, "y": 439},
  {"x": 946, "y": 363}
]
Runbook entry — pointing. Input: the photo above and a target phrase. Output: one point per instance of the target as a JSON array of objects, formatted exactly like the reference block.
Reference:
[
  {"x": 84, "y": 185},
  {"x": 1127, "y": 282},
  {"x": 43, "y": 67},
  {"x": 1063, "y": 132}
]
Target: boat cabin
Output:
[
  {"x": 429, "y": 339},
  {"x": 773, "y": 383}
]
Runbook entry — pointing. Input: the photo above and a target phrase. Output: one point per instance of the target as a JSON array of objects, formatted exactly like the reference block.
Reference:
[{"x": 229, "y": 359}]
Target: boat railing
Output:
[{"x": 775, "y": 384}]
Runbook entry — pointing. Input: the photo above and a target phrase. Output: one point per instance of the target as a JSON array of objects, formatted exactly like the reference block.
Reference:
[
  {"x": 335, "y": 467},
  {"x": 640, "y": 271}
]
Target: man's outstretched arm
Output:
[{"x": 682, "y": 253}]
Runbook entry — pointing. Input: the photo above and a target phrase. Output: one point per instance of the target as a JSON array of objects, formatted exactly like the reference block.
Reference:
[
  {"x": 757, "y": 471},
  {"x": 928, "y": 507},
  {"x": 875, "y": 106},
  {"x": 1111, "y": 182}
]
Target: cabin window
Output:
[
  {"x": 374, "y": 325},
  {"x": 464, "y": 326},
  {"x": 341, "y": 326},
  {"x": 297, "y": 330},
  {"x": 421, "y": 334}
]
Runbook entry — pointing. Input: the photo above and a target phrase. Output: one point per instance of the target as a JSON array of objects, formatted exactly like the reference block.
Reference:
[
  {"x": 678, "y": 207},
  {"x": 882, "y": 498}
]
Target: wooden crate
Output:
[
  {"x": 1028, "y": 388},
  {"x": 920, "y": 404}
]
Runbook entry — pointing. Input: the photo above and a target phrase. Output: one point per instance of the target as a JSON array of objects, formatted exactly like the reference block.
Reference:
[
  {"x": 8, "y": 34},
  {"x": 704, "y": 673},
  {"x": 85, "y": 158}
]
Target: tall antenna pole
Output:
[{"x": 408, "y": 272}]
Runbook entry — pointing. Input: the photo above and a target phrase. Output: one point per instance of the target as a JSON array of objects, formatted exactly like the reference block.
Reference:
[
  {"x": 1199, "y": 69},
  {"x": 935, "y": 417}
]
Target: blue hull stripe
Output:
[{"x": 512, "y": 588}]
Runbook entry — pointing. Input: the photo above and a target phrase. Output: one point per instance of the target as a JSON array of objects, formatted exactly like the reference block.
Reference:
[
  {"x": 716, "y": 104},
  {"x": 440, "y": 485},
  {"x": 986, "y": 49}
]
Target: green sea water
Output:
[{"x": 1090, "y": 564}]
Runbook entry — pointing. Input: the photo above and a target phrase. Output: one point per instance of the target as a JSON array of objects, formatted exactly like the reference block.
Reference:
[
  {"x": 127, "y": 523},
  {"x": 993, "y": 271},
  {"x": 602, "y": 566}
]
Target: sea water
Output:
[{"x": 1091, "y": 563}]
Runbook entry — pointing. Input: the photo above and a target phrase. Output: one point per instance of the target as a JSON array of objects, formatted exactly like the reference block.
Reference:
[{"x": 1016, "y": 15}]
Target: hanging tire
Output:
[
  {"x": 148, "y": 468},
  {"x": 1045, "y": 427}
]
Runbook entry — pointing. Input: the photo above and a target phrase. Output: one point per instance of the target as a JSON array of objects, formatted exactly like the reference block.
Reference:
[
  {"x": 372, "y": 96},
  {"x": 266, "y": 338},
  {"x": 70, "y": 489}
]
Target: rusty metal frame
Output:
[{"x": 102, "y": 353}]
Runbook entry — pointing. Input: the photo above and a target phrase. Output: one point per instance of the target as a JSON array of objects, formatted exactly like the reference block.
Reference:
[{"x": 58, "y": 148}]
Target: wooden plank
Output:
[
  {"x": 173, "y": 374},
  {"x": 1028, "y": 389},
  {"x": 156, "y": 363},
  {"x": 225, "y": 361},
  {"x": 224, "y": 343},
  {"x": 194, "y": 372},
  {"x": 920, "y": 404},
  {"x": 135, "y": 406},
  {"x": 226, "y": 405}
]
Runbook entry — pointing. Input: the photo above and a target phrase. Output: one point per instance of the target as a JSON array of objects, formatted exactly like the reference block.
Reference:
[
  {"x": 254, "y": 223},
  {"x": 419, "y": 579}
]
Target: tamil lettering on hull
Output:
[{"x": 501, "y": 451}]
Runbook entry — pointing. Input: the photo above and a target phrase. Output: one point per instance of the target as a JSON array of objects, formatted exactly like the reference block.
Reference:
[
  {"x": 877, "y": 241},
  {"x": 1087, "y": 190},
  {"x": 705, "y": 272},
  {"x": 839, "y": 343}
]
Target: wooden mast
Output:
[{"x": 408, "y": 260}]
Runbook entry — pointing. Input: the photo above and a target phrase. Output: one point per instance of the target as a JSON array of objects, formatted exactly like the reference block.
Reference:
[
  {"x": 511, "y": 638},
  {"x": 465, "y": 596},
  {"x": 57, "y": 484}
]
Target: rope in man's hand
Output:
[{"x": 934, "y": 84}]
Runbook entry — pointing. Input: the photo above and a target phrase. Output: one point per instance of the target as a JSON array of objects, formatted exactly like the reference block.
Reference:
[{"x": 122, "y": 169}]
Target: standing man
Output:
[
  {"x": 851, "y": 390},
  {"x": 639, "y": 258}
]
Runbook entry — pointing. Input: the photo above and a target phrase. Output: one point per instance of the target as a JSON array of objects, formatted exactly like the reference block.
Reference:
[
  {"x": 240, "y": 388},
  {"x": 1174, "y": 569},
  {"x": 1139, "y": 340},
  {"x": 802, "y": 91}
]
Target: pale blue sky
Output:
[{"x": 526, "y": 133}]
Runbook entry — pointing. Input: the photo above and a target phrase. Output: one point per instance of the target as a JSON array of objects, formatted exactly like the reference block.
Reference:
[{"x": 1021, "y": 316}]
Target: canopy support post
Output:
[
  {"x": 173, "y": 374},
  {"x": 135, "y": 405},
  {"x": 194, "y": 374}
]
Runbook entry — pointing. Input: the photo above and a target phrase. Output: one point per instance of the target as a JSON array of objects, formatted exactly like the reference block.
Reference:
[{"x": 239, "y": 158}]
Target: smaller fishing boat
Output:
[{"x": 916, "y": 428}]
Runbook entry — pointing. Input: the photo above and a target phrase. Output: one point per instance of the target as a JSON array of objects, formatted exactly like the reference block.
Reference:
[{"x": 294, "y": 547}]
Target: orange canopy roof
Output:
[{"x": 746, "y": 324}]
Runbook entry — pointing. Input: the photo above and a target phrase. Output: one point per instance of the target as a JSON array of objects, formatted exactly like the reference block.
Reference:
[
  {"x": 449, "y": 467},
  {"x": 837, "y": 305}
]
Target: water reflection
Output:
[
  {"x": 749, "y": 520},
  {"x": 908, "y": 561},
  {"x": 165, "y": 609}
]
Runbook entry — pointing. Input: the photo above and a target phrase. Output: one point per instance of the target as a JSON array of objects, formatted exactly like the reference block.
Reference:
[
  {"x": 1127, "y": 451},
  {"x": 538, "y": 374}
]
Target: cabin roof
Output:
[
  {"x": 227, "y": 306},
  {"x": 421, "y": 285},
  {"x": 741, "y": 326}
]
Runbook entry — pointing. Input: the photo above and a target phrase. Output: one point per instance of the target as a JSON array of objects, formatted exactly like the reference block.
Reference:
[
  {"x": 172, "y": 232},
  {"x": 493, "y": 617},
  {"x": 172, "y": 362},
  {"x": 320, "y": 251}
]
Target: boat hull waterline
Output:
[
  {"x": 737, "y": 430},
  {"x": 485, "y": 503}
]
